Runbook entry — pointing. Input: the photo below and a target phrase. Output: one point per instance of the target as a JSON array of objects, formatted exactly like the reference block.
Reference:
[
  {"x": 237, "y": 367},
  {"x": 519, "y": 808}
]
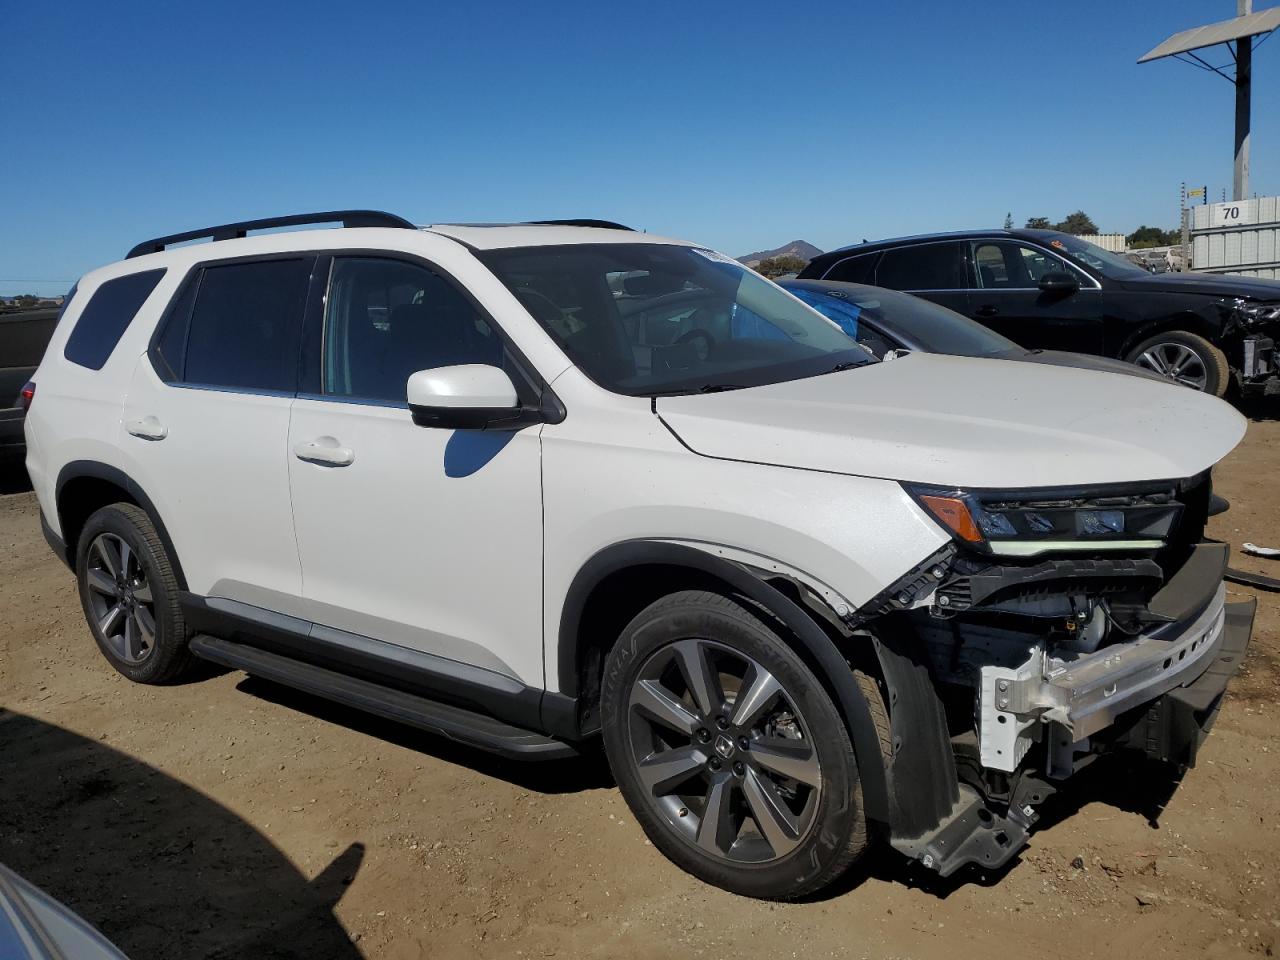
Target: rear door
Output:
[
  {"x": 935, "y": 270},
  {"x": 1007, "y": 298},
  {"x": 206, "y": 427}
]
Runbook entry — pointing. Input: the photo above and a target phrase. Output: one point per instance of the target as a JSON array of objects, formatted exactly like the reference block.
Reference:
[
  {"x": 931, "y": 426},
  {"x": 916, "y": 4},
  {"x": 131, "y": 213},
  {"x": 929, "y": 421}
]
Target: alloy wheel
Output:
[
  {"x": 722, "y": 752},
  {"x": 120, "y": 598},
  {"x": 1177, "y": 362}
]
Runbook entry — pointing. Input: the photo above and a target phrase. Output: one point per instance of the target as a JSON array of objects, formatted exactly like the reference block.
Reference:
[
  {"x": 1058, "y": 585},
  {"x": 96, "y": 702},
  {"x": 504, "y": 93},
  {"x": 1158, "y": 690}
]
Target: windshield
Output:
[
  {"x": 1109, "y": 264},
  {"x": 933, "y": 328},
  {"x": 643, "y": 318}
]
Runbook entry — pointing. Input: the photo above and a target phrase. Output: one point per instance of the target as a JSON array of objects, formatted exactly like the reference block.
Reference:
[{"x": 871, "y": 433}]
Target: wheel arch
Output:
[
  {"x": 621, "y": 580},
  {"x": 84, "y": 486},
  {"x": 1187, "y": 320}
]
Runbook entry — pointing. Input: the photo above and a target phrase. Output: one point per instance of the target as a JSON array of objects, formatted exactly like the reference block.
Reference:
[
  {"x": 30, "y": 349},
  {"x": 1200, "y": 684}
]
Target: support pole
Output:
[{"x": 1244, "y": 80}]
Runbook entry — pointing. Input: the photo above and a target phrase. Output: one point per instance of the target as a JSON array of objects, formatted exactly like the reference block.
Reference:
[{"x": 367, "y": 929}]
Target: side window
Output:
[
  {"x": 927, "y": 266},
  {"x": 106, "y": 317},
  {"x": 1038, "y": 263},
  {"x": 860, "y": 269},
  {"x": 245, "y": 325},
  {"x": 387, "y": 319},
  {"x": 1004, "y": 264}
]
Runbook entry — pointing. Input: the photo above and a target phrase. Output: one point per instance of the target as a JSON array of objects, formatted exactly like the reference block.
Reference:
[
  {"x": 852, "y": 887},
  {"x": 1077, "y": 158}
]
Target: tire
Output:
[
  {"x": 757, "y": 732},
  {"x": 1185, "y": 358},
  {"x": 145, "y": 637}
]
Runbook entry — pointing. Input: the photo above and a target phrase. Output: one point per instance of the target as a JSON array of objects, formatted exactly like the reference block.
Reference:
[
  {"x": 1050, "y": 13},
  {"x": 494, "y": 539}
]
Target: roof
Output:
[
  {"x": 1263, "y": 21},
  {"x": 503, "y": 235},
  {"x": 920, "y": 237}
]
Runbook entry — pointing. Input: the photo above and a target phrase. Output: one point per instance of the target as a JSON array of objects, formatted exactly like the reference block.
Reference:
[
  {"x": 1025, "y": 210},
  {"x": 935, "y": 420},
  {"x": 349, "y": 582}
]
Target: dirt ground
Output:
[{"x": 232, "y": 818}]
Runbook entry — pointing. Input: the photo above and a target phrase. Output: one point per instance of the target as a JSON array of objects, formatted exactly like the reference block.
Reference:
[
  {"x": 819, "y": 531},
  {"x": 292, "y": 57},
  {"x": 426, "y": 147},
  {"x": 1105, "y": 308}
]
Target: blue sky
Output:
[{"x": 742, "y": 126}]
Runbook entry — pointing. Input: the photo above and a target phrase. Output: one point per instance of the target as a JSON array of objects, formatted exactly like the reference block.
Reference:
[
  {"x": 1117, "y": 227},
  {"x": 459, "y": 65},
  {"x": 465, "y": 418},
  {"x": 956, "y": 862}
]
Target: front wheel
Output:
[
  {"x": 728, "y": 749},
  {"x": 1185, "y": 358}
]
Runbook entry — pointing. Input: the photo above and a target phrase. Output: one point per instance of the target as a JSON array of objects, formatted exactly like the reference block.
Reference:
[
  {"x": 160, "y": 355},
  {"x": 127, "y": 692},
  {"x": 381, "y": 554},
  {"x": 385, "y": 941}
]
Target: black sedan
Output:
[
  {"x": 1052, "y": 291},
  {"x": 885, "y": 320}
]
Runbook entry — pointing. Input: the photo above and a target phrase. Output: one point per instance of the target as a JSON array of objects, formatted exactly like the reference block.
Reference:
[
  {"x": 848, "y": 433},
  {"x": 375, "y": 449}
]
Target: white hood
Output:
[{"x": 965, "y": 422}]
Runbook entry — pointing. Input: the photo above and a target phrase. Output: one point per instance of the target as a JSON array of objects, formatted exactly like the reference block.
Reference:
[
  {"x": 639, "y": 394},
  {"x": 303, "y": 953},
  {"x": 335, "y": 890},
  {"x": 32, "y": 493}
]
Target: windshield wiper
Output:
[
  {"x": 847, "y": 365},
  {"x": 705, "y": 388}
]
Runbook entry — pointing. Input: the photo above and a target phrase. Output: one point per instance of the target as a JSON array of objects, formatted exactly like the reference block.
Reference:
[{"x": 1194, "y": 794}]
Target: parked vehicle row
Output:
[
  {"x": 531, "y": 486},
  {"x": 1052, "y": 291}
]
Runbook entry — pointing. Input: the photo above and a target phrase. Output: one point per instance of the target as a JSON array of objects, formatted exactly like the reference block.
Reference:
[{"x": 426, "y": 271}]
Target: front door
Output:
[
  {"x": 424, "y": 538},
  {"x": 1007, "y": 298}
]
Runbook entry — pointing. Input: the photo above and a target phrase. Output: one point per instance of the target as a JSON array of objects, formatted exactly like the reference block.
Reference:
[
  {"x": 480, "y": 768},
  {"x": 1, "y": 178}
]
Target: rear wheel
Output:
[
  {"x": 1185, "y": 358},
  {"x": 728, "y": 749},
  {"x": 130, "y": 595}
]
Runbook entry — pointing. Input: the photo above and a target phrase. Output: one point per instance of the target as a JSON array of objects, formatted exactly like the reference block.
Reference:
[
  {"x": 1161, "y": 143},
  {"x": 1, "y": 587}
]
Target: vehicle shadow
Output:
[
  {"x": 1257, "y": 408},
  {"x": 14, "y": 479},
  {"x": 588, "y": 771},
  {"x": 161, "y": 869},
  {"x": 1130, "y": 783}
]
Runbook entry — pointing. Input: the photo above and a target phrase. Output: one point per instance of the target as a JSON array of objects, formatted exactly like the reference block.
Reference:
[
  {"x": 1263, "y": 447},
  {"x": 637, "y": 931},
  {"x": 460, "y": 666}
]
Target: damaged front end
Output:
[
  {"x": 1258, "y": 326},
  {"x": 1057, "y": 626}
]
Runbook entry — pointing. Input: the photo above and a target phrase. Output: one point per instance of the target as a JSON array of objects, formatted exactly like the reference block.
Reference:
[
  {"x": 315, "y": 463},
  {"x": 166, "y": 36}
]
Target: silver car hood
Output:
[{"x": 965, "y": 422}]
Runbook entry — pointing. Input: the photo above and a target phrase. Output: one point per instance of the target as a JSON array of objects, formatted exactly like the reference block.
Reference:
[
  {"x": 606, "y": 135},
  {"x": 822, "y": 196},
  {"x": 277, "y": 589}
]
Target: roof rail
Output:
[
  {"x": 233, "y": 231},
  {"x": 603, "y": 224}
]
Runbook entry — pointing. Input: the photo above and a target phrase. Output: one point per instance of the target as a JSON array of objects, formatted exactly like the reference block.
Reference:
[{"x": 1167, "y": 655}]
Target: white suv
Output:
[{"x": 527, "y": 485}]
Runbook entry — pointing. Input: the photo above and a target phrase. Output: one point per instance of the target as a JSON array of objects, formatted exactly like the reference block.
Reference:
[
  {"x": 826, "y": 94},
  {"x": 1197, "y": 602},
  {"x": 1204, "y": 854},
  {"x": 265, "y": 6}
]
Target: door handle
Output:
[
  {"x": 987, "y": 310},
  {"x": 147, "y": 428},
  {"x": 324, "y": 451}
]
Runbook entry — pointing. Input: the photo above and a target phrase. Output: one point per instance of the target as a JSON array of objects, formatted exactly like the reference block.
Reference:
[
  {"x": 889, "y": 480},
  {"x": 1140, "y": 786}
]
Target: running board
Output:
[{"x": 463, "y": 726}]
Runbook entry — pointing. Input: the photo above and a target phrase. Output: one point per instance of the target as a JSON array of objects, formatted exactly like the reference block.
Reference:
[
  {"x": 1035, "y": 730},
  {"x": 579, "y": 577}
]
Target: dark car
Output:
[
  {"x": 1052, "y": 291},
  {"x": 23, "y": 336},
  {"x": 883, "y": 320}
]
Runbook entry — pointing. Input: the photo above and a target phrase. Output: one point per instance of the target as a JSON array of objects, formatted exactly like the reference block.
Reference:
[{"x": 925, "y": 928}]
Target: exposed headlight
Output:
[
  {"x": 1004, "y": 523},
  {"x": 1252, "y": 313}
]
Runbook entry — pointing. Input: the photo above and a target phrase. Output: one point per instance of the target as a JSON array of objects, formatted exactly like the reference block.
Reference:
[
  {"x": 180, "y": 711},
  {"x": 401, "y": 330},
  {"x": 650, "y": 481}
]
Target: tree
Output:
[
  {"x": 1008, "y": 221},
  {"x": 773, "y": 267},
  {"x": 1077, "y": 223},
  {"x": 1146, "y": 236},
  {"x": 1038, "y": 223}
]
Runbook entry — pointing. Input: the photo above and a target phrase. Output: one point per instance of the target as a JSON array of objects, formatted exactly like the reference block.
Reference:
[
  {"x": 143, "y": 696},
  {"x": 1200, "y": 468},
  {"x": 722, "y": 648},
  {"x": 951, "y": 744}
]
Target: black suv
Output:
[
  {"x": 1052, "y": 291},
  {"x": 23, "y": 336}
]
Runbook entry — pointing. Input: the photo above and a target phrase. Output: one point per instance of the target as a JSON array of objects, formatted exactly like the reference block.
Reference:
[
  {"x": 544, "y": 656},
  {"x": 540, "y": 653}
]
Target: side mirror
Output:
[
  {"x": 469, "y": 396},
  {"x": 1056, "y": 281}
]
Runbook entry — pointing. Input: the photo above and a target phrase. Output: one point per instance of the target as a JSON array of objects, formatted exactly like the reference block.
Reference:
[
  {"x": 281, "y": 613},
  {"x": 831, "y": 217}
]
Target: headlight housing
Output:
[
  {"x": 1253, "y": 313},
  {"x": 1011, "y": 524}
]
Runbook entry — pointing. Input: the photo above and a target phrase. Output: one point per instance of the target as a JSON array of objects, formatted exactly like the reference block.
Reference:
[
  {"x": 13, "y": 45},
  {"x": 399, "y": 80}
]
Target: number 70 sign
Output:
[{"x": 1228, "y": 214}]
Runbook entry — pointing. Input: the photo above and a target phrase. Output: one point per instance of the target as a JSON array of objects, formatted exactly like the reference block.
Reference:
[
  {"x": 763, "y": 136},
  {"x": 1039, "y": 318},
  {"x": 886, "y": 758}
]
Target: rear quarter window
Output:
[{"x": 106, "y": 316}]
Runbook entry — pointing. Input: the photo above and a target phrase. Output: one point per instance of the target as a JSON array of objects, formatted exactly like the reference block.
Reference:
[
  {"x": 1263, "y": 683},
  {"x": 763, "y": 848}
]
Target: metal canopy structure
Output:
[
  {"x": 1238, "y": 34},
  {"x": 1197, "y": 38}
]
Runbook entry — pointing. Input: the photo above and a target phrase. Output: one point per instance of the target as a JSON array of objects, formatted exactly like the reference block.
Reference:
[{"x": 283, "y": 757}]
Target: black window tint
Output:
[
  {"x": 929, "y": 266},
  {"x": 387, "y": 319},
  {"x": 859, "y": 269},
  {"x": 106, "y": 317},
  {"x": 245, "y": 325},
  {"x": 171, "y": 348}
]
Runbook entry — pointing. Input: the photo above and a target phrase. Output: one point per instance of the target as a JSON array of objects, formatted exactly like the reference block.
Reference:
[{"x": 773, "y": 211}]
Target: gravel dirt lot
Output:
[{"x": 232, "y": 818}]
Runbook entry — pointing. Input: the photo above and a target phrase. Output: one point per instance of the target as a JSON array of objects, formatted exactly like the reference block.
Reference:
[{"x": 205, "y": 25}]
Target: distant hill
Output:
[{"x": 796, "y": 248}]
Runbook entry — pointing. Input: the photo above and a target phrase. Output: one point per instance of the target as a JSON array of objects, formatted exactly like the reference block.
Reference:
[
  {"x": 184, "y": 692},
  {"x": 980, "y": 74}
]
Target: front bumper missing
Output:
[
  {"x": 1170, "y": 728},
  {"x": 1260, "y": 367},
  {"x": 1084, "y": 696}
]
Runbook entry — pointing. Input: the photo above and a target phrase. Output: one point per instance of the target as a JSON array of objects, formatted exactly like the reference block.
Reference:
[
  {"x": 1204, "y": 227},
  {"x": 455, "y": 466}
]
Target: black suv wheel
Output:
[
  {"x": 1185, "y": 358},
  {"x": 729, "y": 751}
]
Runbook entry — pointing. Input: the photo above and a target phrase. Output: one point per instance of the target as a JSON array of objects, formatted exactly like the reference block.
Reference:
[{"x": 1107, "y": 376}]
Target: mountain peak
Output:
[{"x": 796, "y": 248}]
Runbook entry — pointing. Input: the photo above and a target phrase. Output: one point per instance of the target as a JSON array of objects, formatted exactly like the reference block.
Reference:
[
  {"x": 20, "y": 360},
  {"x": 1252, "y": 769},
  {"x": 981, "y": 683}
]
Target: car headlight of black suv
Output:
[
  {"x": 1011, "y": 524},
  {"x": 1254, "y": 314}
]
